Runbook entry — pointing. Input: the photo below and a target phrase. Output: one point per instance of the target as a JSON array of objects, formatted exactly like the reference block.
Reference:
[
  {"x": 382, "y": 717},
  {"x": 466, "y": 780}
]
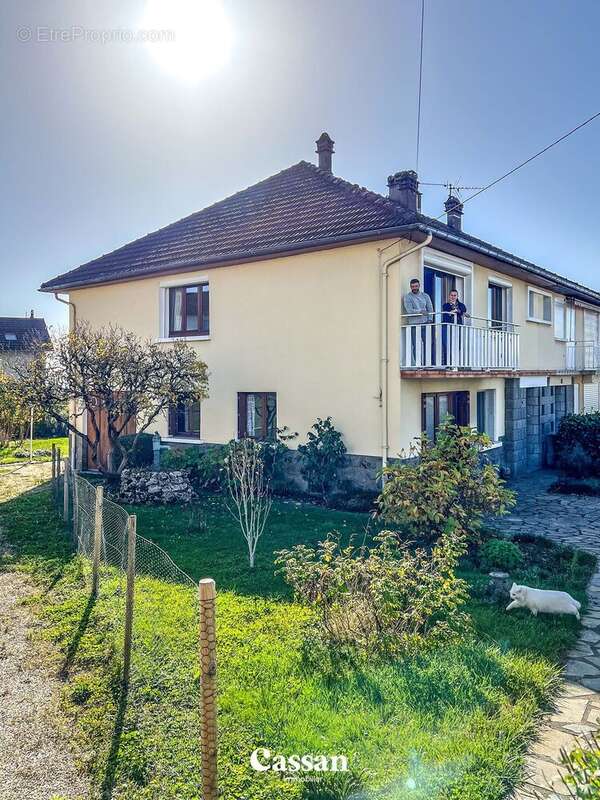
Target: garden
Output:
[{"x": 342, "y": 639}]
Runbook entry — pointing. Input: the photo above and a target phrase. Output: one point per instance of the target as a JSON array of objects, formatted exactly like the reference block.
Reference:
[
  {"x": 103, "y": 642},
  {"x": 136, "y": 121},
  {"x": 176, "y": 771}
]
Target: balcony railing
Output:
[
  {"x": 479, "y": 344},
  {"x": 582, "y": 357}
]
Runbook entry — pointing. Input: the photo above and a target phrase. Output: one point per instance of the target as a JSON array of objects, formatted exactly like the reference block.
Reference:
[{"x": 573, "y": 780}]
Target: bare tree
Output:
[
  {"x": 249, "y": 490},
  {"x": 114, "y": 378}
]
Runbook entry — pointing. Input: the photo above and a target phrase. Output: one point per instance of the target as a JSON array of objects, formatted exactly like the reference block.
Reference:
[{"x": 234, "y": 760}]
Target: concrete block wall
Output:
[{"x": 532, "y": 415}]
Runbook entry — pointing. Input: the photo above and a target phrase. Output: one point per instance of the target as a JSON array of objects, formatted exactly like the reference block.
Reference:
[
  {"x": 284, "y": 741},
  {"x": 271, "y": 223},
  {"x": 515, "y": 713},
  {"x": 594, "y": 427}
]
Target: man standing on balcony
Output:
[{"x": 419, "y": 312}]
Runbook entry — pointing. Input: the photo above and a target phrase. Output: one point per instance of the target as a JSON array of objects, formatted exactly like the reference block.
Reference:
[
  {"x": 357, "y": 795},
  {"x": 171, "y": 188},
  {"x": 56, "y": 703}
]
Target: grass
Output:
[
  {"x": 450, "y": 723},
  {"x": 7, "y": 451}
]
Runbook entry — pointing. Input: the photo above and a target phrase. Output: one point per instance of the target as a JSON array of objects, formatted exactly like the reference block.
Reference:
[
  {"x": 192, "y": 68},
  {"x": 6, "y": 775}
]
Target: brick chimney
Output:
[
  {"x": 404, "y": 189},
  {"x": 454, "y": 212},
  {"x": 325, "y": 150}
]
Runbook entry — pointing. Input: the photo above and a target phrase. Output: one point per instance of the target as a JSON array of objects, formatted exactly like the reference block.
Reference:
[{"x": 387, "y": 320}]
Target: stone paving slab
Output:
[{"x": 573, "y": 520}]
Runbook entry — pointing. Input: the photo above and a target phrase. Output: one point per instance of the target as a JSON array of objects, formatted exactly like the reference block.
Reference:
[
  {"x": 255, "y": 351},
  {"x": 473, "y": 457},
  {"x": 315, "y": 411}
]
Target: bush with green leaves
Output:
[
  {"x": 577, "y": 445},
  {"x": 323, "y": 455},
  {"x": 205, "y": 465},
  {"x": 583, "y": 770},
  {"x": 500, "y": 554},
  {"x": 141, "y": 454},
  {"x": 385, "y": 599},
  {"x": 446, "y": 485}
]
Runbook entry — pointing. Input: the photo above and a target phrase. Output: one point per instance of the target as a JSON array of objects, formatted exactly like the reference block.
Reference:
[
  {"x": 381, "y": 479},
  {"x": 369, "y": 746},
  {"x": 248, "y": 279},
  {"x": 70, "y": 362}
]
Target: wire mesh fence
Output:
[{"x": 164, "y": 620}]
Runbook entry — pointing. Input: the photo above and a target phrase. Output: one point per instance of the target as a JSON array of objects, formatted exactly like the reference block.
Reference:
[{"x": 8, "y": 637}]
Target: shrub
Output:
[
  {"x": 323, "y": 456},
  {"x": 577, "y": 445},
  {"x": 446, "y": 488},
  {"x": 205, "y": 465},
  {"x": 385, "y": 599},
  {"x": 142, "y": 454},
  {"x": 500, "y": 554},
  {"x": 583, "y": 769}
]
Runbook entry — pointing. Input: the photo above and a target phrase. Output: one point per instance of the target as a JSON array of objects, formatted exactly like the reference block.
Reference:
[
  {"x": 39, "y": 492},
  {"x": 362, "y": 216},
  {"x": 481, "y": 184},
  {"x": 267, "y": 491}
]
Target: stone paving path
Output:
[{"x": 573, "y": 520}]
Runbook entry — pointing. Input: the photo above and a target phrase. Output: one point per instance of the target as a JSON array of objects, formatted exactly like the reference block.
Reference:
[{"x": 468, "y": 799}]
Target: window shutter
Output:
[
  {"x": 241, "y": 426},
  {"x": 172, "y": 421}
]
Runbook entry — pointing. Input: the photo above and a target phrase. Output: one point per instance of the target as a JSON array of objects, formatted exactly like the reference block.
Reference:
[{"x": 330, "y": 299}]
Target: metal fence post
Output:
[
  {"x": 97, "y": 539},
  {"x": 208, "y": 688},
  {"x": 131, "y": 533},
  {"x": 66, "y": 490}
]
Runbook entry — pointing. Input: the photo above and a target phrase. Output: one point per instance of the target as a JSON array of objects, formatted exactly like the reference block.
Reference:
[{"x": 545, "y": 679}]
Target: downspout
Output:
[
  {"x": 384, "y": 266},
  {"x": 72, "y": 437},
  {"x": 68, "y": 303}
]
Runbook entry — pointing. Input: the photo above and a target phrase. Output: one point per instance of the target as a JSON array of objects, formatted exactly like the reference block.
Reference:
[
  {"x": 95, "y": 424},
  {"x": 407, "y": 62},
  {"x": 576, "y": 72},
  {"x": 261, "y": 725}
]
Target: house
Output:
[
  {"x": 292, "y": 292},
  {"x": 17, "y": 338}
]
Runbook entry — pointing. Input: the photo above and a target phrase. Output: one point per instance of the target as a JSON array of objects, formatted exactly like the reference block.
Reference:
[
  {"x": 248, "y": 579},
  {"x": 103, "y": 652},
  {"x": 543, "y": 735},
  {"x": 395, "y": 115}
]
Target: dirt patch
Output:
[{"x": 35, "y": 759}]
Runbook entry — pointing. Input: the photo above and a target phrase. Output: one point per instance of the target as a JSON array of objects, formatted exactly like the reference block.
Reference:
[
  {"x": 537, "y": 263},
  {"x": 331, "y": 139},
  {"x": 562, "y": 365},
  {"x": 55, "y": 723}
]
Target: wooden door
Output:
[{"x": 103, "y": 448}]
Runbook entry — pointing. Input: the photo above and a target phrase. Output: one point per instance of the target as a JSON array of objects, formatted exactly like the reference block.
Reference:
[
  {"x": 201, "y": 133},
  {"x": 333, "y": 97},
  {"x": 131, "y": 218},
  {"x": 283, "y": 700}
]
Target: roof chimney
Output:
[
  {"x": 454, "y": 212},
  {"x": 31, "y": 317},
  {"x": 404, "y": 189},
  {"x": 325, "y": 150}
]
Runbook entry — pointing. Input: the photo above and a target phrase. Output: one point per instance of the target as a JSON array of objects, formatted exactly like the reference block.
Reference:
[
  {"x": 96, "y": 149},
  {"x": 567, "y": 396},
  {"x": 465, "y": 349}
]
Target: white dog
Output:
[{"x": 544, "y": 600}]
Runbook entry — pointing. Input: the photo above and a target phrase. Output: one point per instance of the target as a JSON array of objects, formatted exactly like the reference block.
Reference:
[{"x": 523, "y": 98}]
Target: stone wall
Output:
[
  {"x": 532, "y": 415},
  {"x": 142, "y": 486}
]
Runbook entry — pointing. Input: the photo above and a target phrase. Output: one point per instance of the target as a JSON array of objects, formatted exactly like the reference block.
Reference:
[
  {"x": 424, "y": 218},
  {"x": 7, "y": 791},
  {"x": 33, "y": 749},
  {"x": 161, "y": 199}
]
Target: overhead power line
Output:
[{"x": 530, "y": 159}]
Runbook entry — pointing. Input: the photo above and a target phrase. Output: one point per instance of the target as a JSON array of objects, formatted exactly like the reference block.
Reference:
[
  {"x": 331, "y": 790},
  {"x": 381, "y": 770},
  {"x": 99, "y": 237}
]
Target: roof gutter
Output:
[{"x": 422, "y": 229}]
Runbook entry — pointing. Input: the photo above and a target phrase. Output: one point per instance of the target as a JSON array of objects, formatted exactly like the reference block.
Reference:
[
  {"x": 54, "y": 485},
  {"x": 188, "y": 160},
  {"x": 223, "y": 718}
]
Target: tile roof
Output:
[
  {"x": 17, "y": 333},
  {"x": 301, "y": 206}
]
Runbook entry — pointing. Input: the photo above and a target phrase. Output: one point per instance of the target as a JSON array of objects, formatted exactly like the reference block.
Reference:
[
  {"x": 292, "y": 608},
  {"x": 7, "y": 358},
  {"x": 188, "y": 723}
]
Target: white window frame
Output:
[
  {"x": 537, "y": 290},
  {"x": 454, "y": 266},
  {"x": 569, "y": 320},
  {"x": 163, "y": 307}
]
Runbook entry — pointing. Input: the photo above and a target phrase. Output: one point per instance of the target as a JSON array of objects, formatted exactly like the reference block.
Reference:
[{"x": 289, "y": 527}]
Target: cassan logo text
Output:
[{"x": 261, "y": 760}]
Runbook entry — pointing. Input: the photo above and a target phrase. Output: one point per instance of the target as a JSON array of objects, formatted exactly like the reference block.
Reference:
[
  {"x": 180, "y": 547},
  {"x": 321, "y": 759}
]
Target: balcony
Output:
[
  {"x": 582, "y": 357},
  {"x": 483, "y": 345}
]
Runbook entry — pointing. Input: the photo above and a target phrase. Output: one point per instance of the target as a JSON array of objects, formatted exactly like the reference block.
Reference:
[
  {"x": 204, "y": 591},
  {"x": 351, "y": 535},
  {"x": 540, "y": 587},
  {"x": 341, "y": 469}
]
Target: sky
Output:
[{"x": 102, "y": 143}]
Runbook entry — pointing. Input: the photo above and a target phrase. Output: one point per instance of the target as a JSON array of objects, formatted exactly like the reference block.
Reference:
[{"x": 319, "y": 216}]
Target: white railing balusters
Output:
[{"x": 436, "y": 345}]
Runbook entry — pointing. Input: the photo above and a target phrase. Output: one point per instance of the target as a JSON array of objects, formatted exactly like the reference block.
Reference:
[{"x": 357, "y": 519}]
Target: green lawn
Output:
[
  {"x": 7, "y": 452},
  {"x": 450, "y": 723}
]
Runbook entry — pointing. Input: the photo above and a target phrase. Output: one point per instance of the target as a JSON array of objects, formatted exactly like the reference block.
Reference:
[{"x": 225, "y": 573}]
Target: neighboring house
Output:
[
  {"x": 17, "y": 337},
  {"x": 292, "y": 292}
]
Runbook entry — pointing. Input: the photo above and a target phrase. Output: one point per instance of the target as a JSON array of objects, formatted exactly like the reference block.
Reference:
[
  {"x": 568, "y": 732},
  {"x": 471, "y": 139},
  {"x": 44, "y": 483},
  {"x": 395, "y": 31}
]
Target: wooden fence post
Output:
[
  {"x": 208, "y": 688},
  {"x": 131, "y": 533},
  {"x": 54, "y": 469},
  {"x": 66, "y": 490},
  {"x": 57, "y": 486},
  {"x": 75, "y": 508},
  {"x": 97, "y": 539}
]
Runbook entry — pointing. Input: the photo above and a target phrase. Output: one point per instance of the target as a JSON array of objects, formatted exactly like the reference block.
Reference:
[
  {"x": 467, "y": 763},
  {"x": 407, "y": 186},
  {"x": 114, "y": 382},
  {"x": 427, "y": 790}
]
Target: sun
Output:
[{"x": 188, "y": 38}]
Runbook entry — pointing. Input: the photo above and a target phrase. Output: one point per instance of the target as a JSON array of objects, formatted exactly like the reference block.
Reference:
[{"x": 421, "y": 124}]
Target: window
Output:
[
  {"x": 10, "y": 337},
  {"x": 184, "y": 420},
  {"x": 486, "y": 413},
  {"x": 257, "y": 415},
  {"x": 189, "y": 310},
  {"x": 437, "y": 406},
  {"x": 499, "y": 304},
  {"x": 539, "y": 306}
]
